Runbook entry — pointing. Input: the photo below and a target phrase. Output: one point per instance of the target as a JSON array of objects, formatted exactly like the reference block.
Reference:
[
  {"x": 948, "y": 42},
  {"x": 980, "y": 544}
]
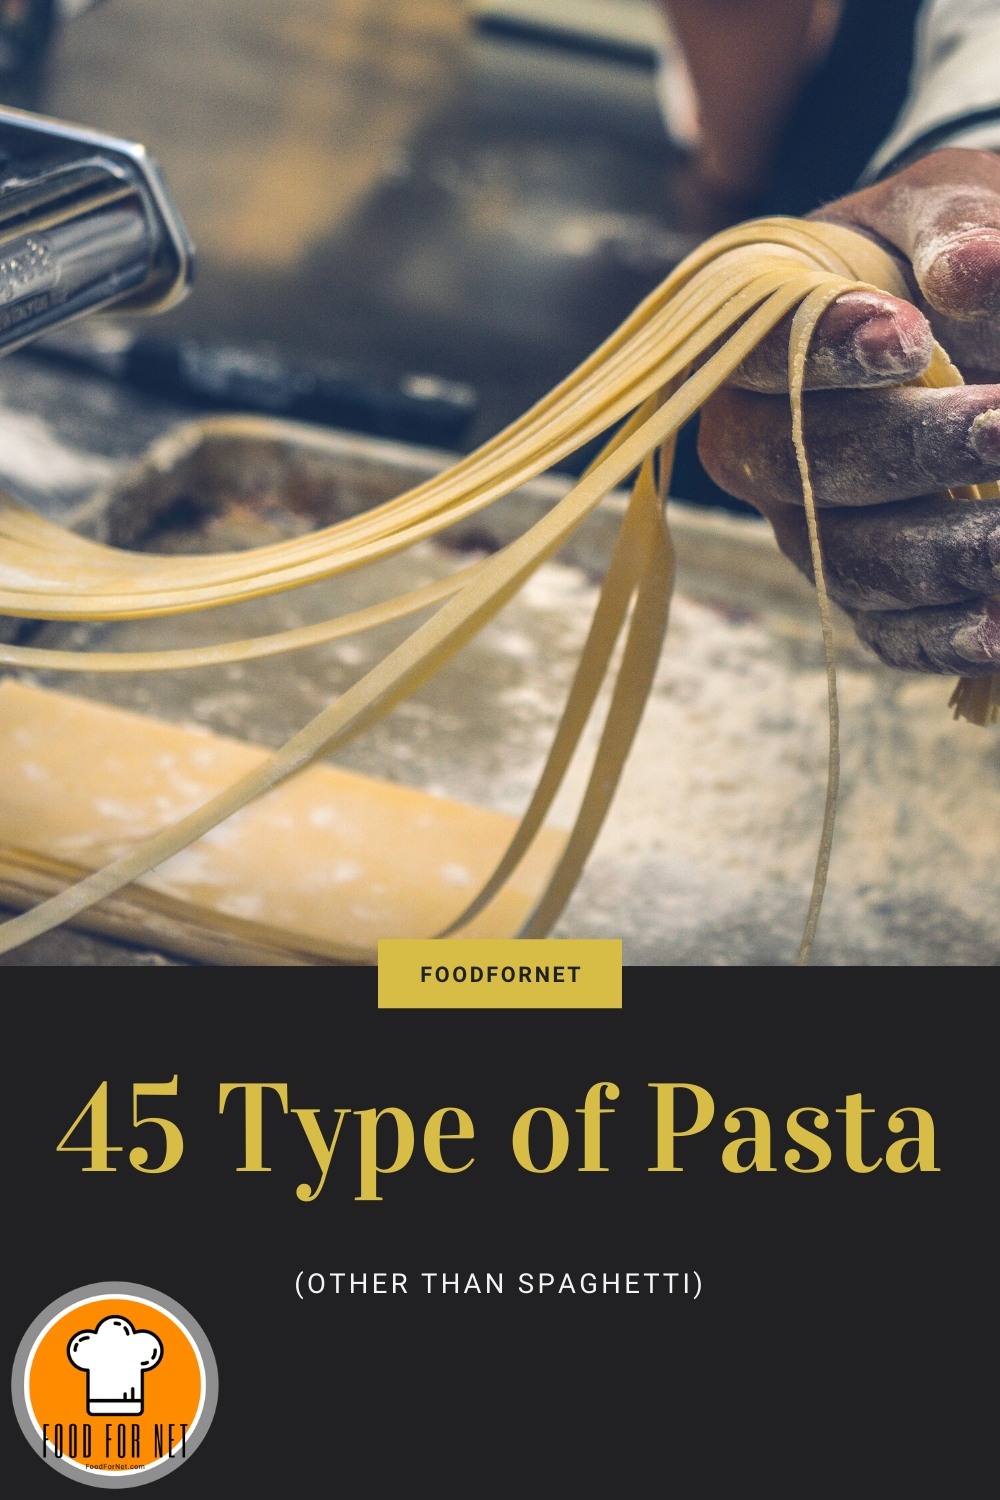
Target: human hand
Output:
[{"x": 916, "y": 572}]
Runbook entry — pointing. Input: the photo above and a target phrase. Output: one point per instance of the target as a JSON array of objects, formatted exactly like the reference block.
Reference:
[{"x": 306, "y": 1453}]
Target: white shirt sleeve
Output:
[{"x": 954, "y": 94}]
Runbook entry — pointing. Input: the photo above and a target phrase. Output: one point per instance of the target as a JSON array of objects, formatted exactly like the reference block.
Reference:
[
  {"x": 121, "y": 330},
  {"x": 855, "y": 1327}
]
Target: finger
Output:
[
  {"x": 913, "y": 555},
  {"x": 956, "y": 258},
  {"x": 956, "y": 262},
  {"x": 943, "y": 214},
  {"x": 864, "y": 448},
  {"x": 864, "y": 339},
  {"x": 961, "y": 639}
]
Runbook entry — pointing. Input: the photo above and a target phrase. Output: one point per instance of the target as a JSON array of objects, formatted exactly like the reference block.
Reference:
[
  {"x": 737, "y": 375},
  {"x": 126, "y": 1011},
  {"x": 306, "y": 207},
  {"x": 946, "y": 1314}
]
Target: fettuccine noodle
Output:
[{"x": 642, "y": 384}]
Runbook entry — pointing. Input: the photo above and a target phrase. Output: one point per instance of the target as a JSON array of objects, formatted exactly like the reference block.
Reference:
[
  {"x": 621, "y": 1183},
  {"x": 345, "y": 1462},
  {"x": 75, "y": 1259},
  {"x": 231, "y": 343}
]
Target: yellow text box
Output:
[{"x": 500, "y": 974}]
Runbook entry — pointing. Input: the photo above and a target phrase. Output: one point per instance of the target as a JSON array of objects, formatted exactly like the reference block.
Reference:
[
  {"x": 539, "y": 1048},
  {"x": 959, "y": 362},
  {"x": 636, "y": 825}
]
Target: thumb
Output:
[
  {"x": 953, "y": 229},
  {"x": 958, "y": 267}
]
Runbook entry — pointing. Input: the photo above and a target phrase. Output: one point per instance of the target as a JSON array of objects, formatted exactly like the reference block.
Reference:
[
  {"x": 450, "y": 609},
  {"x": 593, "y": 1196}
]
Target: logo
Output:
[{"x": 114, "y": 1384}]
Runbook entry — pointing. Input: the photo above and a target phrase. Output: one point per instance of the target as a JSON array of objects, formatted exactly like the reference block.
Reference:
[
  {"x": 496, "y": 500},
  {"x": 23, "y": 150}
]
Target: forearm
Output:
[{"x": 748, "y": 60}]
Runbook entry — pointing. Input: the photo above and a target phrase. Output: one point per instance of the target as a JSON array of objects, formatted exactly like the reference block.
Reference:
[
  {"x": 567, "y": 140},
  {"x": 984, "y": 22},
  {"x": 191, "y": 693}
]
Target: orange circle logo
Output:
[{"x": 114, "y": 1384}]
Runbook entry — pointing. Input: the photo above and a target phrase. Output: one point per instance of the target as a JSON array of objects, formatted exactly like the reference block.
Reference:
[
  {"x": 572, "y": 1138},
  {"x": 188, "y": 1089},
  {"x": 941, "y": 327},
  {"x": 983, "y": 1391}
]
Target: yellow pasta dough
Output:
[{"x": 306, "y": 874}]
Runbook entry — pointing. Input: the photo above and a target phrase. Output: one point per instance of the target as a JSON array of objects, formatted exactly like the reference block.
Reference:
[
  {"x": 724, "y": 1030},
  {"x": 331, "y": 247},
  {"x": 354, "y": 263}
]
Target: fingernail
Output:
[
  {"x": 883, "y": 347},
  {"x": 980, "y": 641},
  {"x": 984, "y": 436},
  {"x": 959, "y": 273}
]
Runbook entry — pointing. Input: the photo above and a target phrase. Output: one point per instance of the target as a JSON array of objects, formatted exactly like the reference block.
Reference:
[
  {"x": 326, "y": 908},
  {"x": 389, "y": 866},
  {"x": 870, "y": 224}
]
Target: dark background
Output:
[{"x": 830, "y": 1337}]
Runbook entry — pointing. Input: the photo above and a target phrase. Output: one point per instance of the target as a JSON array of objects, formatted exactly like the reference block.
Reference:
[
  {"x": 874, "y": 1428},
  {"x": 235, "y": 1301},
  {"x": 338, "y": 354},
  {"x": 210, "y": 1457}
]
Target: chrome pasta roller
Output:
[{"x": 86, "y": 223}]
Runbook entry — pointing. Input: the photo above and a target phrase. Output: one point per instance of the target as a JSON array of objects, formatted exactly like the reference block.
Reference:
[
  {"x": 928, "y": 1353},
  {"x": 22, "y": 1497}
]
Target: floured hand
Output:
[{"x": 917, "y": 573}]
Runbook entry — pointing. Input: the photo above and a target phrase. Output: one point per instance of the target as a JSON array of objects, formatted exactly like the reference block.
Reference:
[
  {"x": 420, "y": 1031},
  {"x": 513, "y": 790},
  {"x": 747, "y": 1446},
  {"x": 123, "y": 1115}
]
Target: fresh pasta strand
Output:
[{"x": 642, "y": 384}]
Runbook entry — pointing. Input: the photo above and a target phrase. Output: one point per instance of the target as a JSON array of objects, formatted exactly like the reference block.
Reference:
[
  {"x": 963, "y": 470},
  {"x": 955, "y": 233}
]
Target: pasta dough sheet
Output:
[{"x": 317, "y": 870}]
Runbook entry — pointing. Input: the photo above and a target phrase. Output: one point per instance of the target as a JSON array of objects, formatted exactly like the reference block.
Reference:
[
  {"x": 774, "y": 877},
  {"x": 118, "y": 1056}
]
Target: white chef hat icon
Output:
[{"x": 116, "y": 1357}]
